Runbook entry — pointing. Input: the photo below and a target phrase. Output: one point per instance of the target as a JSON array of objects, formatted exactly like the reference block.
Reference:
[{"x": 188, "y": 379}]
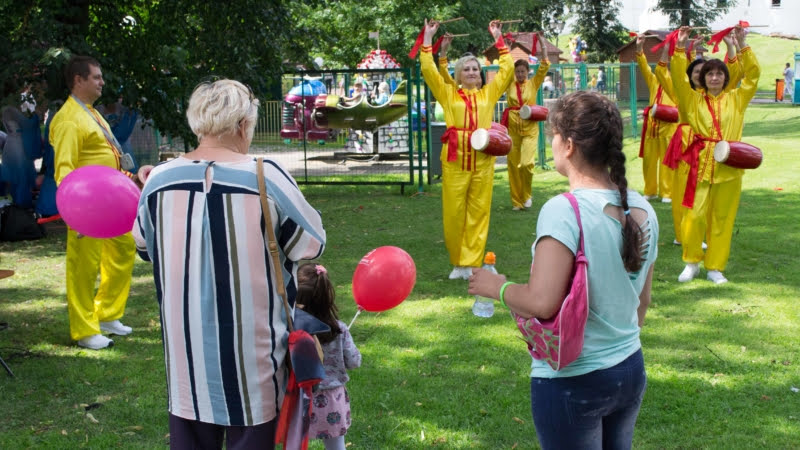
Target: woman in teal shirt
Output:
[{"x": 594, "y": 401}]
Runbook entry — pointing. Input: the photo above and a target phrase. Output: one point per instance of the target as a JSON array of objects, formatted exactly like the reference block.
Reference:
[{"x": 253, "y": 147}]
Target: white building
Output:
[{"x": 779, "y": 16}]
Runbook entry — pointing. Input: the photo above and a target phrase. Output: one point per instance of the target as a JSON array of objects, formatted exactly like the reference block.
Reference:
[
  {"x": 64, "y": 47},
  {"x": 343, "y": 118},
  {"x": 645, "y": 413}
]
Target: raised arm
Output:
[{"x": 505, "y": 76}]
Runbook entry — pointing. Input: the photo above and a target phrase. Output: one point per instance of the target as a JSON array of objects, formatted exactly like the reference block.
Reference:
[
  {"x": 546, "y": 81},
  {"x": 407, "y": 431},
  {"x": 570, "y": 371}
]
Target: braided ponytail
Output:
[{"x": 594, "y": 124}]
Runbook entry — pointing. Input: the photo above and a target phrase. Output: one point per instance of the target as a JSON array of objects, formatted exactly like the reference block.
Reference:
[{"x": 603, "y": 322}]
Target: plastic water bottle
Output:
[{"x": 484, "y": 307}]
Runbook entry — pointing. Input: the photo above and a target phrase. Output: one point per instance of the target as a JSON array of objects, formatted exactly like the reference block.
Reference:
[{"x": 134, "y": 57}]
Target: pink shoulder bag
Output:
[{"x": 559, "y": 340}]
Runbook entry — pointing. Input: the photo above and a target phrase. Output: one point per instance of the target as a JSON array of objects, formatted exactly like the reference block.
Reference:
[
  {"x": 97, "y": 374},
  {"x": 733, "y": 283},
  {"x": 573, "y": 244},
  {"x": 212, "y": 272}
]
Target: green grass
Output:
[{"x": 721, "y": 360}]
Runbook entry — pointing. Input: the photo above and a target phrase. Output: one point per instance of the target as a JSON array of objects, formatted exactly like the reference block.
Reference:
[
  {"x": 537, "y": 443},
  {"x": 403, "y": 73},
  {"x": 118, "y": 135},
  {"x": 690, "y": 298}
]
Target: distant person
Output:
[
  {"x": 601, "y": 80},
  {"x": 548, "y": 86},
  {"x": 788, "y": 82},
  {"x": 383, "y": 93},
  {"x": 23, "y": 145},
  {"x": 330, "y": 416}
]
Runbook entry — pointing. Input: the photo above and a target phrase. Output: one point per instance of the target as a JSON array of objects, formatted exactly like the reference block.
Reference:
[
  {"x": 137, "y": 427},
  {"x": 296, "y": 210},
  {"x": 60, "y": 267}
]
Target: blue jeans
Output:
[{"x": 593, "y": 411}]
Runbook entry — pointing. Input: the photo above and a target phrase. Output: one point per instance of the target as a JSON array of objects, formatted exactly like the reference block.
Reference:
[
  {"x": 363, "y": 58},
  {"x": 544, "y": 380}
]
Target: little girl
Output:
[{"x": 330, "y": 416}]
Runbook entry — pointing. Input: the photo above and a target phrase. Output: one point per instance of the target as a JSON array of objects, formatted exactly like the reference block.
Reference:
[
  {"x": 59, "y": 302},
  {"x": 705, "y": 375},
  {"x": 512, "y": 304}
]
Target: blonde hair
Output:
[
  {"x": 460, "y": 66},
  {"x": 383, "y": 87},
  {"x": 221, "y": 107}
]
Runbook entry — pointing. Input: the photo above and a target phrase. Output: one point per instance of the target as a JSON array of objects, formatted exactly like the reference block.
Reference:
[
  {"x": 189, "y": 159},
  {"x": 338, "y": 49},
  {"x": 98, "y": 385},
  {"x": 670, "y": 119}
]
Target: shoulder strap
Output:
[
  {"x": 272, "y": 243},
  {"x": 574, "y": 202}
]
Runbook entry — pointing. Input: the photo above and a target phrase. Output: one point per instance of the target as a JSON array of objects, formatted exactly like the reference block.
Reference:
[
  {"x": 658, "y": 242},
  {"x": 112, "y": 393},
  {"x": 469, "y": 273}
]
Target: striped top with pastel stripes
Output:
[{"x": 223, "y": 324}]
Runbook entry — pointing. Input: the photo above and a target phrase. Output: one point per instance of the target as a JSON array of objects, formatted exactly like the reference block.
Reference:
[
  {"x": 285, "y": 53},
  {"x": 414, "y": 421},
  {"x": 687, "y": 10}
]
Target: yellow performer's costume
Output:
[
  {"x": 684, "y": 135},
  {"x": 656, "y": 135},
  {"x": 712, "y": 189},
  {"x": 79, "y": 141},
  {"x": 467, "y": 175},
  {"x": 524, "y": 136}
]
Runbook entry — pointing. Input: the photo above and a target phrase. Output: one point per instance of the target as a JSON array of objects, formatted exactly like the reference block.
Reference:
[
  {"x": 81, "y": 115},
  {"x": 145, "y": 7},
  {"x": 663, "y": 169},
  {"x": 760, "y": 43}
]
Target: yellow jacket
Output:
[
  {"x": 656, "y": 128},
  {"x": 457, "y": 115},
  {"x": 728, "y": 112},
  {"x": 78, "y": 140}
]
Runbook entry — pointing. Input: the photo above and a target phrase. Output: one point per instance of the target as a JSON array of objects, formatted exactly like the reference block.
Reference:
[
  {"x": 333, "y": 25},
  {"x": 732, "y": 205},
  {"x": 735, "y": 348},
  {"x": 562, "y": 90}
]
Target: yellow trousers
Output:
[
  {"x": 521, "y": 160},
  {"x": 657, "y": 177},
  {"x": 712, "y": 217},
  {"x": 679, "y": 178},
  {"x": 114, "y": 259},
  {"x": 466, "y": 205}
]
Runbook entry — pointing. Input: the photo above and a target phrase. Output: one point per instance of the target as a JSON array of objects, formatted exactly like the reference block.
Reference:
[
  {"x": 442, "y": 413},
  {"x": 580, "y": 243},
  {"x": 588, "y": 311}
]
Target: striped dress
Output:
[{"x": 223, "y": 324}]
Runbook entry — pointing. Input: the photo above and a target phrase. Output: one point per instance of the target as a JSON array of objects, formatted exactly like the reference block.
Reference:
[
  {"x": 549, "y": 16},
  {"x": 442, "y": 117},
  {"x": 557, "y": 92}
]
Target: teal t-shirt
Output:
[{"x": 612, "y": 330}]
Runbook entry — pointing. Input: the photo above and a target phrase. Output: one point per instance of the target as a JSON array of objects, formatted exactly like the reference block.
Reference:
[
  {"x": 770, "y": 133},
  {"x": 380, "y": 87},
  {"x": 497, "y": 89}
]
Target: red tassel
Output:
[
  {"x": 671, "y": 39},
  {"x": 437, "y": 44},
  {"x": 716, "y": 38},
  {"x": 535, "y": 43},
  {"x": 417, "y": 44}
]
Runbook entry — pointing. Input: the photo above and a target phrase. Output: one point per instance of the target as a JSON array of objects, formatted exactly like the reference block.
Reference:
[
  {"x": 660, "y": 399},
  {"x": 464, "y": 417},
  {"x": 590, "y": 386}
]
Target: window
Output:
[{"x": 776, "y": 3}]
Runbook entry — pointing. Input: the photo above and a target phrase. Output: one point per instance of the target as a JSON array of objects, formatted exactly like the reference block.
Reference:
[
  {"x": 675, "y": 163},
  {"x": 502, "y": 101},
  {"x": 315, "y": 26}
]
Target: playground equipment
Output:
[
  {"x": 296, "y": 111},
  {"x": 333, "y": 111}
]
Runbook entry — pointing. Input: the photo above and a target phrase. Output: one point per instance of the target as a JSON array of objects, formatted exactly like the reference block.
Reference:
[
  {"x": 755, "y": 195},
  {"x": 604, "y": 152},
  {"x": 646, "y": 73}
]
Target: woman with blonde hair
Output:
[
  {"x": 467, "y": 175},
  {"x": 201, "y": 224}
]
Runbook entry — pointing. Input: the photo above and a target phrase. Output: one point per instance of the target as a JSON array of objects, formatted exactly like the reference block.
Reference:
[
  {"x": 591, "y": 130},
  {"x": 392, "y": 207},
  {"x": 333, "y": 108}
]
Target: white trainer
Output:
[
  {"x": 528, "y": 203},
  {"x": 650, "y": 197},
  {"x": 716, "y": 276},
  {"x": 516, "y": 208},
  {"x": 95, "y": 342},
  {"x": 689, "y": 272},
  {"x": 457, "y": 273},
  {"x": 666, "y": 200},
  {"x": 115, "y": 327},
  {"x": 676, "y": 242},
  {"x": 704, "y": 246}
]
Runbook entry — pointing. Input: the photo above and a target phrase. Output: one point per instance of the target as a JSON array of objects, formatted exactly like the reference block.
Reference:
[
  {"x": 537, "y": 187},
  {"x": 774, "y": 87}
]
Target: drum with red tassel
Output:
[
  {"x": 534, "y": 113},
  {"x": 738, "y": 154},
  {"x": 664, "y": 113},
  {"x": 493, "y": 141}
]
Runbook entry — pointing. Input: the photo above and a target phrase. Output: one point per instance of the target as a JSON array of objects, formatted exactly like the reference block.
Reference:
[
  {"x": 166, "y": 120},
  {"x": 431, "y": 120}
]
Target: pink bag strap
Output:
[{"x": 574, "y": 202}]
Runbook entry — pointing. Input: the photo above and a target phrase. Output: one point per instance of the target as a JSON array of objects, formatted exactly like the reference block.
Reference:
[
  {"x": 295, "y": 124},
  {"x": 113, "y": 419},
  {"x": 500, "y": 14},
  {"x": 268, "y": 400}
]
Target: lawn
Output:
[{"x": 722, "y": 361}]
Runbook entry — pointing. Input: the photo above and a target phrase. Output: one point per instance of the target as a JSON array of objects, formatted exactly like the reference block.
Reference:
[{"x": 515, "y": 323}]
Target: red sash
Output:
[{"x": 504, "y": 119}]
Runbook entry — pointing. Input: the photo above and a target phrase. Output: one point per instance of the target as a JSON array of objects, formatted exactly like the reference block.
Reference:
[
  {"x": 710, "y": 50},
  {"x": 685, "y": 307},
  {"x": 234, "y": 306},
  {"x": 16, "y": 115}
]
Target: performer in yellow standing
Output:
[
  {"x": 467, "y": 175},
  {"x": 524, "y": 133},
  {"x": 656, "y": 133},
  {"x": 683, "y": 135},
  {"x": 81, "y": 137},
  {"x": 712, "y": 189}
]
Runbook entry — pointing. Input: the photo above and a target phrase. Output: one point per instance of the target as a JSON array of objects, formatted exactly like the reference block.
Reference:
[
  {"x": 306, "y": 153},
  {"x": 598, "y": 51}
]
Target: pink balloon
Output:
[
  {"x": 383, "y": 279},
  {"x": 98, "y": 201}
]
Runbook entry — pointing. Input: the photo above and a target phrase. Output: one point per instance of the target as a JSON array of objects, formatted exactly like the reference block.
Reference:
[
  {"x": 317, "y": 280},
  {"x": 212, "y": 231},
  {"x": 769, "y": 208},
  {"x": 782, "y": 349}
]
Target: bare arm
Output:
[{"x": 644, "y": 297}]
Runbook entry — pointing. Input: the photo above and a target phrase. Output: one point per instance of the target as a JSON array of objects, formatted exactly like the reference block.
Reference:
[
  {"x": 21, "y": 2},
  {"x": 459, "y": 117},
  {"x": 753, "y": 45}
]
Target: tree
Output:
[
  {"x": 597, "y": 24},
  {"x": 153, "y": 53},
  {"x": 693, "y": 12}
]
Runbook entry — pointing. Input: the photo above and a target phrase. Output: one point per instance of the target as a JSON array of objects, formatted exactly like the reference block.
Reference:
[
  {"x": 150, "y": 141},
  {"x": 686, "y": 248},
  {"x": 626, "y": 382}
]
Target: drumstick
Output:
[
  {"x": 459, "y": 35},
  {"x": 451, "y": 20},
  {"x": 510, "y": 21}
]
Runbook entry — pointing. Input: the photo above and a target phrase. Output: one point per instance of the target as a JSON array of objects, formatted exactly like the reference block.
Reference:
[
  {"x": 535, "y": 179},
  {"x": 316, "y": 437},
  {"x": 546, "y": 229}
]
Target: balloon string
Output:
[{"x": 354, "y": 318}]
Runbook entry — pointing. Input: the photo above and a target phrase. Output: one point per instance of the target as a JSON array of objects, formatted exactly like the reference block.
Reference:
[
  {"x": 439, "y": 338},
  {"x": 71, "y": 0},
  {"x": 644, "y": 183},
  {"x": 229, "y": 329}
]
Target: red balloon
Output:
[{"x": 383, "y": 279}]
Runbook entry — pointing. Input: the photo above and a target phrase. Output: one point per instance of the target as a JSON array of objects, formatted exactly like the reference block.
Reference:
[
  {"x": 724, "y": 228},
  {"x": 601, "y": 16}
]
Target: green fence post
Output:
[
  {"x": 542, "y": 153},
  {"x": 633, "y": 96}
]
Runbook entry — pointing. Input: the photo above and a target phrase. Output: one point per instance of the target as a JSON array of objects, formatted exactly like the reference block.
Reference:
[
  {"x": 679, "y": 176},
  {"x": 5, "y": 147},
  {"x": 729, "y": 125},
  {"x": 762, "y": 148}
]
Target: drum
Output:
[
  {"x": 664, "y": 113},
  {"x": 534, "y": 113},
  {"x": 494, "y": 141},
  {"x": 738, "y": 154}
]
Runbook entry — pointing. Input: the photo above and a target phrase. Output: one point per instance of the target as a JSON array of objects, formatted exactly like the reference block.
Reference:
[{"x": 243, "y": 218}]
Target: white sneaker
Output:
[
  {"x": 689, "y": 272},
  {"x": 115, "y": 327},
  {"x": 517, "y": 208},
  {"x": 528, "y": 203},
  {"x": 704, "y": 246},
  {"x": 676, "y": 242},
  {"x": 650, "y": 197},
  {"x": 457, "y": 273},
  {"x": 716, "y": 276},
  {"x": 666, "y": 200},
  {"x": 95, "y": 342}
]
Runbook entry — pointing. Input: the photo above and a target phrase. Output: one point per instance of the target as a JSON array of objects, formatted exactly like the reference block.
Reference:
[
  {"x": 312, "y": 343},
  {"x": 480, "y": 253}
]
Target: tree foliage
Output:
[
  {"x": 153, "y": 53},
  {"x": 597, "y": 23},
  {"x": 693, "y": 12}
]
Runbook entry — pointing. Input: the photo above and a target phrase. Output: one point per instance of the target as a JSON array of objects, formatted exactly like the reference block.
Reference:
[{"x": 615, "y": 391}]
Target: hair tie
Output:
[
  {"x": 627, "y": 213},
  {"x": 320, "y": 269}
]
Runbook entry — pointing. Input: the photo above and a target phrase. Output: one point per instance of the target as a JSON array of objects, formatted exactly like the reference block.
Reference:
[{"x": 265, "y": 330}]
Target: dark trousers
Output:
[
  {"x": 597, "y": 410},
  {"x": 191, "y": 434}
]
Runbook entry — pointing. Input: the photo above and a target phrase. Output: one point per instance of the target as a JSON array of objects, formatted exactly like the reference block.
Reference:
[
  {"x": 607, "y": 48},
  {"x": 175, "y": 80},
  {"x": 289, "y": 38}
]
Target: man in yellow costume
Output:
[
  {"x": 467, "y": 175},
  {"x": 712, "y": 189},
  {"x": 524, "y": 133},
  {"x": 81, "y": 137}
]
